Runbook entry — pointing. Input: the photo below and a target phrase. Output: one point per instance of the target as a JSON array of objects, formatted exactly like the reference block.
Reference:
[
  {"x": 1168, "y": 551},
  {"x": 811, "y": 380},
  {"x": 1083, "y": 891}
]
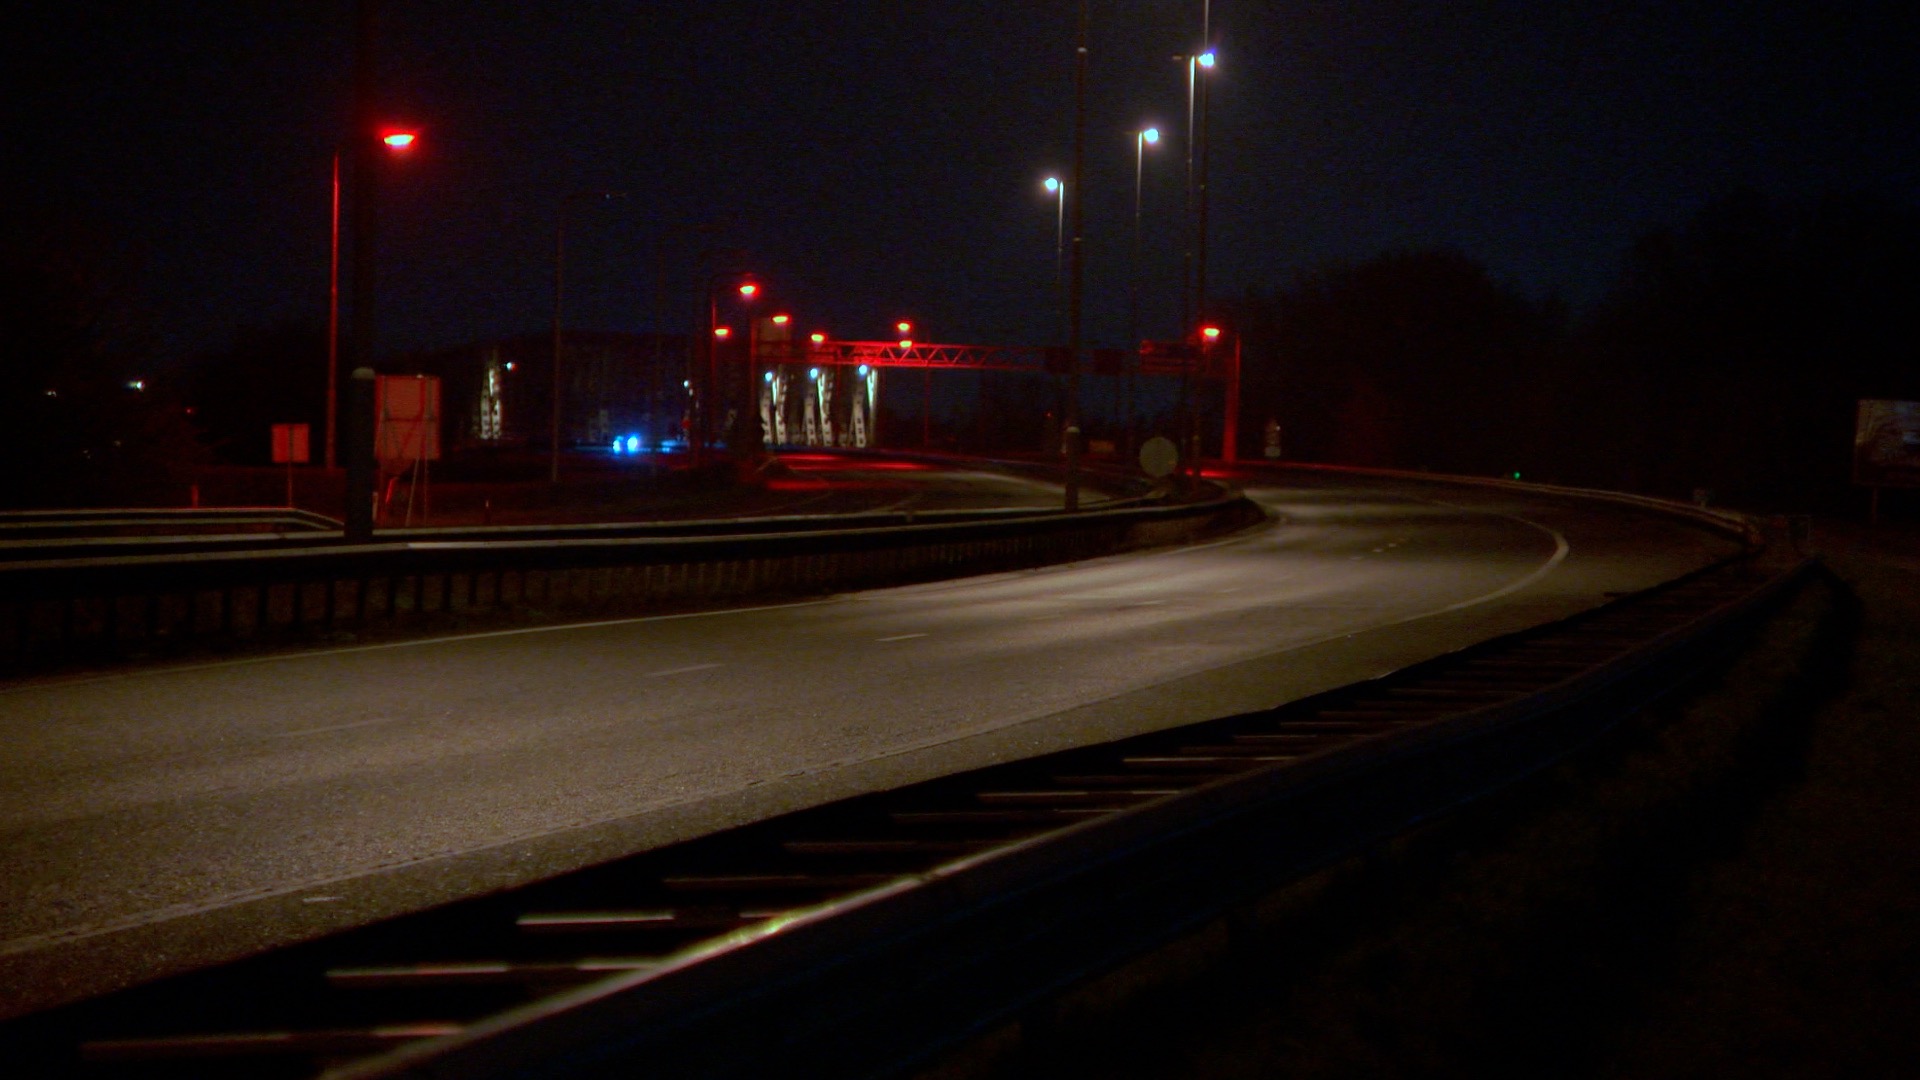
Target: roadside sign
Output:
[
  {"x": 289, "y": 444},
  {"x": 1159, "y": 457}
]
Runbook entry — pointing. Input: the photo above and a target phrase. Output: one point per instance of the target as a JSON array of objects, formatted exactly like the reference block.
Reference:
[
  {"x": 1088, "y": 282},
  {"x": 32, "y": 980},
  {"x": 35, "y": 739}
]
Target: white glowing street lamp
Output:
[
  {"x": 1141, "y": 140},
  {"x": 1195, "y": 281},
  {"x": 1058, "y": 189}
]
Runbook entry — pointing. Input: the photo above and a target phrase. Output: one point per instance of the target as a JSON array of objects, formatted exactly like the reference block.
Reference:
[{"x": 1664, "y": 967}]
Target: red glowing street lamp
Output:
[
  {"x": 747, "y": 290},
  {"x": 395, "y": 141}
]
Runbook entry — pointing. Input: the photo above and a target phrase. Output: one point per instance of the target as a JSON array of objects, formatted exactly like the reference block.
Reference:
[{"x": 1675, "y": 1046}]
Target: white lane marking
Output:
[
  {"x": 174, "y": 911},
  {"x": 120, "y": 676},
  {"x": 679, "y": 671},
  {"x": 1560, "y": 551},
  {"x": 331, "y": 727},
  {"x": 900, "y": 637}
]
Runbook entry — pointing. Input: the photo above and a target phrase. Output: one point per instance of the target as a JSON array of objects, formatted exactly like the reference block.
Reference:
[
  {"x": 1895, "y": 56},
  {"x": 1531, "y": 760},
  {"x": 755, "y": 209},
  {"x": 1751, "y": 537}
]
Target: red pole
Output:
[
  {"x": 1230, "y": 441},
  {"x": 333, "y": 317}
]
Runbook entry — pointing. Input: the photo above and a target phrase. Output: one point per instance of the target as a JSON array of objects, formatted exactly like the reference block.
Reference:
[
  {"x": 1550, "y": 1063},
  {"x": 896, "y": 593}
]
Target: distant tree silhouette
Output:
[
  {"x": 1731, "y": 351},
  {"x": 82, "y": 418},
  {"x": 1414, "y": 359},
  {"x": 270, "y": 374}
]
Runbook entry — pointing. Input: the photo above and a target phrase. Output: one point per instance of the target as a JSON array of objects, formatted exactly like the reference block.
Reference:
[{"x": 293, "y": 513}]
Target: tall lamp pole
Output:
[
  {"x": 1056, "y": 187},
  {"x": 1204, "y": 63},
  {"x": 559, "y": 291},
  {"x": 394, "y": 141},
  {"x": 364, "y": 149},
  {"x": 1141, "y": 140},
  {"x": 710, "y": 391},
  {"x": 333, "y": 319},
  {"x": 1072, "y": 412},
  {"x": 1193, "y": 291}
]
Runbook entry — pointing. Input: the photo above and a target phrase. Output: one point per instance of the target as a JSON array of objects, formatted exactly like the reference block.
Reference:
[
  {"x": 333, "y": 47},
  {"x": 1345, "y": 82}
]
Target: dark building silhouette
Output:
[{"x": 499, "y": 393}]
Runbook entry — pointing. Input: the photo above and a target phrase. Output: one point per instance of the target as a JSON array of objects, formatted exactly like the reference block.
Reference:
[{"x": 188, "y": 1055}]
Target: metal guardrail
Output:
[
  {"x": 867, "y": 985},
  {"x": 1731, "y": 523},
  {"x": 27, "y": 535},
  {"x": 23, "y": 521},
  {"x": 116, "y": 547},
  {"x": 1149, "y": 837},
  {"x": 55, "y": 611}
]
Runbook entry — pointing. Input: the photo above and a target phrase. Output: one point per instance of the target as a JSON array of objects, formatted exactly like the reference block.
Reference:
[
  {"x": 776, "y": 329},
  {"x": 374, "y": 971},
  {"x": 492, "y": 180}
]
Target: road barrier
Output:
[{"x": 95, "y": 609}]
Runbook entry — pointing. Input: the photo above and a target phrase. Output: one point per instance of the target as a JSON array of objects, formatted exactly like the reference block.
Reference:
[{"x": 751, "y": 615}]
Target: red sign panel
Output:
[
  {"x": 408, "y": 411},
  {"x": 290, "y": 444}
]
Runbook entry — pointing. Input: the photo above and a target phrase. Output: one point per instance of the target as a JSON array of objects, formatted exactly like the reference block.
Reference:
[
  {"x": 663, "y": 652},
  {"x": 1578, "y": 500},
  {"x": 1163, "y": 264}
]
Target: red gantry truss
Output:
[
  {"x": 1154, "y": 358},
  {"x": 1218, "y": 362}
]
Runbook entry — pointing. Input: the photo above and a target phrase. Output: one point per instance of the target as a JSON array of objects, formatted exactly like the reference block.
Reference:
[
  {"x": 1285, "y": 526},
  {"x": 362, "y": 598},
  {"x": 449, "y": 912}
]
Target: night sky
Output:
[{"x": 883, "y": 160}]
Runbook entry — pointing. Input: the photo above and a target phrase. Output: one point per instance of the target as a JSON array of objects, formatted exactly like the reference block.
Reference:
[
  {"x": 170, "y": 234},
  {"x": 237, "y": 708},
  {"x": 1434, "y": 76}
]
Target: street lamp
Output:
[
  {"x": 1197, "y": 63},
  {"x": 1059, "y": 191},
  {"x": 395, "y": 141},
  {"x": 716, "y": 333},
  {"x": 1208, "y": 336},
  {"x": 559, "y": 280},
  {"x": 1203, "y": 62},
  {"x": 1141, "y": 140}
]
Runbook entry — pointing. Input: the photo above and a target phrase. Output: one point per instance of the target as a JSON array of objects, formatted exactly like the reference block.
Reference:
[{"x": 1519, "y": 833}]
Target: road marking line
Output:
[
  {"x": 333, "y": 727},
  {"x": 900, "y": 637},
  {"x": 679, "y": 671},
  {"x": 389, "y": 646}
]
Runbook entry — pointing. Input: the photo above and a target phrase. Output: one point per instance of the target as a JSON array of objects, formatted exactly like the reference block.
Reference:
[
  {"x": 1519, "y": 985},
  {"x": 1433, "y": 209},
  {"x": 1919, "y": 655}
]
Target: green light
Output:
[{"x": 1516, "y": 474}]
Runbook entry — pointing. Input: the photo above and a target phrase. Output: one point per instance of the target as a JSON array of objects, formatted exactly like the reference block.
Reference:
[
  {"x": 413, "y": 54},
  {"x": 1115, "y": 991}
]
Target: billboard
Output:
[
  {"x": 1886, "y": 444},
  {"x": 408, "y": 412}
]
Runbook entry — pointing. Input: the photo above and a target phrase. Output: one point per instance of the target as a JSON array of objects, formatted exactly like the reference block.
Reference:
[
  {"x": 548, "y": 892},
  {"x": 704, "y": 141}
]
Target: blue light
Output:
[
  {"x": 863, "y": 371},
  {"x": 633, "y": 444}
]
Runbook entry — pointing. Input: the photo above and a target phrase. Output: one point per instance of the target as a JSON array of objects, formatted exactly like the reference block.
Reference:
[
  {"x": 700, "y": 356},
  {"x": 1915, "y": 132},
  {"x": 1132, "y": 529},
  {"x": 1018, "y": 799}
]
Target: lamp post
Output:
[
  {"x": 333, "y": 319},
  {"x": 1196, "y": 64},
  {"x": 1141, "y": 140},
  {"x": 1208, "y": 336},
  {"x": 1059, "y": 191},
  {"x": 394, "y": 141},
  {"x": 1071, "y": 415},
  {"x": 711, "y": 391},
  {"x": 559, "y": 280},
  {"x": 1205, "y": 63}
]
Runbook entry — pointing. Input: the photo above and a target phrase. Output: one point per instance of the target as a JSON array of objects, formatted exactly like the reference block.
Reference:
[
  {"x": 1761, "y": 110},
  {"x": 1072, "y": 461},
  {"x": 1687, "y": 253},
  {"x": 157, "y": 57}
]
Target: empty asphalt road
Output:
[{"x": 155, "y": 819}]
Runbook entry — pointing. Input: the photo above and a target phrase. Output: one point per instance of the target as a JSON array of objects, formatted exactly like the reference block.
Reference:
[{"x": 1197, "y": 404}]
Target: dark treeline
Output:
[
  {"x": 83, "y": 421},
  {"x": 1728, "y": 355},
  {"x": 269, "y": 374}
]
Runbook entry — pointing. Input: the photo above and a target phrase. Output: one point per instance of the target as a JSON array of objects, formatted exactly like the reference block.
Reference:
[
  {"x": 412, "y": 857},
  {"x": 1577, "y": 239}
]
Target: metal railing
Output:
[
  {"x": 62, "y": 610},
  {"x": 868, "y": 985}
]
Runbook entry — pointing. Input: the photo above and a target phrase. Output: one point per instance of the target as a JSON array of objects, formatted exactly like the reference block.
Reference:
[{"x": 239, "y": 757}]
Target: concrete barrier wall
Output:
[{"x": 95, "y": 610}]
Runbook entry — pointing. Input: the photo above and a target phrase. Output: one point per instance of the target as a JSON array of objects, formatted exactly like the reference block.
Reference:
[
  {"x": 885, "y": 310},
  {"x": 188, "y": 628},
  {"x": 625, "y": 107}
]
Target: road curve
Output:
[{"x": 156, "y": 819}]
